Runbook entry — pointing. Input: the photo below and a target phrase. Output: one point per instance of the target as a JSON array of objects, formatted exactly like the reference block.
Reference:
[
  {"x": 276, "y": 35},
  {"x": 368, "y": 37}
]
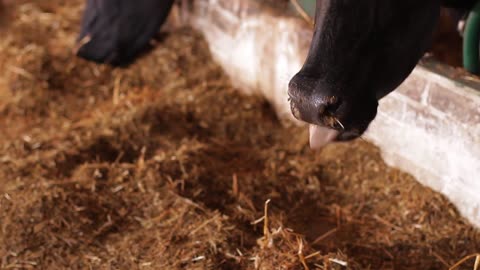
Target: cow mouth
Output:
[
  {"x": 325, "y": 129},
  {"x": 321, "y": 136}
]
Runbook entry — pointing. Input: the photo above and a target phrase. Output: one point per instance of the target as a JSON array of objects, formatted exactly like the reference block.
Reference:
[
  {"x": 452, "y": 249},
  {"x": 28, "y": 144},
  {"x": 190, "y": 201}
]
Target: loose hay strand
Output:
[
  {"x": 266, "y": 229},
  {"x": 324, "y": 236},
  {"x": 477, "y": 263},
  {"x": 465, "y": 259},
  {"x": 301, "y": 256}
]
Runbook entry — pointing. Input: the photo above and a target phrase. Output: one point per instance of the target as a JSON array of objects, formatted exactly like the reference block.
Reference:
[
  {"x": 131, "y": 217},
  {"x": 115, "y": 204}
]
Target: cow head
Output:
[
  {"x": 118, "y": 31},
  {"x": 361, "y": 51}
]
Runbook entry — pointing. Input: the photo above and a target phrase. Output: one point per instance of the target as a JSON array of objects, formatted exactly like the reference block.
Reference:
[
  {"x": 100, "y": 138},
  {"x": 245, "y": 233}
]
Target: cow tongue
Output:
[{"x": 320, "y": 136}]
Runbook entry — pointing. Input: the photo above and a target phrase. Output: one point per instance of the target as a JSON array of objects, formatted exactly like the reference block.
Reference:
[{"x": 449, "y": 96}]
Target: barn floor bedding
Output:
[{"x": 166, "y": 166}]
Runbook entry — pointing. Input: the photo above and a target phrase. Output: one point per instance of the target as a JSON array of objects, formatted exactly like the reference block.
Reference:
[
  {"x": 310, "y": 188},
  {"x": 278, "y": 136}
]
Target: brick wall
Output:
[{"x": 429, "y": 127}]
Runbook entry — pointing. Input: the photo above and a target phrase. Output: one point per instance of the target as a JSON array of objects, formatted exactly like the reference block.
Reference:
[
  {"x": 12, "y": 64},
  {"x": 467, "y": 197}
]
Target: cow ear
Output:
[{"x": 118, "y": 31}]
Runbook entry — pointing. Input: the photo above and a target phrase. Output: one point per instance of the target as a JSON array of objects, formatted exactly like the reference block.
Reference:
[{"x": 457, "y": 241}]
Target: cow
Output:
[
  {"x": 361, "y": 51},
  {"x": 118, "y": 31}
]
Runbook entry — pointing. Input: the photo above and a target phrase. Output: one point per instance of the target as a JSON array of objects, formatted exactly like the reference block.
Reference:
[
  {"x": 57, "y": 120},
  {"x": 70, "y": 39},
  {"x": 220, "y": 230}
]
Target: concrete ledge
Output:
[{"x": 429, "y": 127}]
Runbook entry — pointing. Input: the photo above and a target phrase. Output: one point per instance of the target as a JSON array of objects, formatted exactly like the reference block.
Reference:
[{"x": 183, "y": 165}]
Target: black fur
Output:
[
  {"x": 361, "y": 51},
  {"x": 117, "y": 31}
]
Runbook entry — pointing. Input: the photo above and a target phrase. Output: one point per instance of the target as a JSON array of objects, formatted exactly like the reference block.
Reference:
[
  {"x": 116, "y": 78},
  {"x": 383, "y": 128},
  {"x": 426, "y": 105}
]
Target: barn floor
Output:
[{"x": 166, "y": 166}]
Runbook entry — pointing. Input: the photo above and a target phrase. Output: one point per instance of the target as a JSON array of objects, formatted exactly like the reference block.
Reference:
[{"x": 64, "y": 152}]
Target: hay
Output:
[{"x": 166, "y": 166}]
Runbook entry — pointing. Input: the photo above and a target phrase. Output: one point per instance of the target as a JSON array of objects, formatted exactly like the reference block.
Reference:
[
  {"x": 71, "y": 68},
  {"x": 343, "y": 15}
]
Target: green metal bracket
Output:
[
  {"x": 471, "y": 41},
  {"x": 309, "y": 6}
]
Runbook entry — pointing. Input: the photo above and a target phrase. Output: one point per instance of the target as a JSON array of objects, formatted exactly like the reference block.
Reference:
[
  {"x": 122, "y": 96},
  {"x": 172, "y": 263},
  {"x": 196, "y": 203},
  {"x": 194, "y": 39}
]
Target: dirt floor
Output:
[{"x": 164, "y": 165}]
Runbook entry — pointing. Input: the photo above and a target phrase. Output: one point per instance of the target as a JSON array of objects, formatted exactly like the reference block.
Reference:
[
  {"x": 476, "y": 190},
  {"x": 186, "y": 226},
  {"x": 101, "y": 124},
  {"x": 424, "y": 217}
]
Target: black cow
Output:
[
  {"x": 117, "y": 31},
  {"x": 361, "y": 51}
]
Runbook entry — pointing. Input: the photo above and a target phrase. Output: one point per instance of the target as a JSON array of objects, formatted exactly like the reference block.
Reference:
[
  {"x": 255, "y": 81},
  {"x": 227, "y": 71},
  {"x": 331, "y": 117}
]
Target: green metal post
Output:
[{"x": 471, "y": 41}]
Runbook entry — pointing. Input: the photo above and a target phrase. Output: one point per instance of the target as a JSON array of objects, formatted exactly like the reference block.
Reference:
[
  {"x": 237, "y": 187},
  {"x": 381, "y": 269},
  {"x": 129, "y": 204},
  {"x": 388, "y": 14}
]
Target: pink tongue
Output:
[{"x": 320, "y": 136}]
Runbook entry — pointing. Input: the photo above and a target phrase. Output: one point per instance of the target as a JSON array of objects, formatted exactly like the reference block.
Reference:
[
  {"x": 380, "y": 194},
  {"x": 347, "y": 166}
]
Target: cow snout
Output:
[
  {"x": 335, "y": 111},
  {"x": 314, "y": 107}
]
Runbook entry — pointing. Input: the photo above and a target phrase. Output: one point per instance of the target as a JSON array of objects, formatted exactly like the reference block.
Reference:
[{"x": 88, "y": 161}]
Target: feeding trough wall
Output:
[{"x": 429, "y": 127}]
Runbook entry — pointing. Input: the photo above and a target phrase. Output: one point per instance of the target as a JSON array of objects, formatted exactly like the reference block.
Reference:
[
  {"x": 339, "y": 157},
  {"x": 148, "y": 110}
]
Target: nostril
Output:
[
  {"x": 295, "y": 111},
  {"x": 328, "y": 107},
  {"x": 293, "y": 89},
  {"x": 333, "y": 104},
  {"x": 322, "y": 109}
]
